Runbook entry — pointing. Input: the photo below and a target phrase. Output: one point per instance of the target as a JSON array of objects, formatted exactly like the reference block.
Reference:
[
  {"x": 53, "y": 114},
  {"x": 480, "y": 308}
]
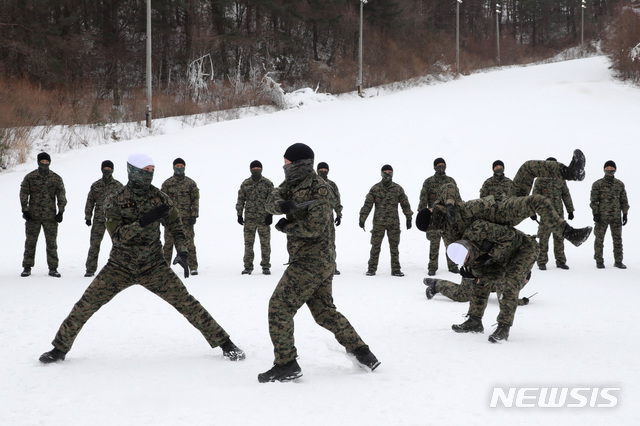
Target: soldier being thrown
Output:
[
  {"x": 133, "y": 216},
  {"x": 305, "y": 198}
]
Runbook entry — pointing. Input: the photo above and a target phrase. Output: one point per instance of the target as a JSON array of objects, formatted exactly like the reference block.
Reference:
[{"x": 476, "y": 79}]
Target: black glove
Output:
[
  {"x": 596, "y": 218},
  {"x": 287, "y": 207},
  {"x": 338, "y": 220},
  {"x": 181, "y": 259},
  {"x": 451, "y": 214},
  {"x": 525, "y": 300},
  {"x": 59, "y": 217},
  {"x": 240, "y": 221},
  {"x": 192, "y": 220},
  {"x": 409, "y": 223},
  {"x": 88, "y": 222},
  {"x": 361, "y": 224},
  {"x": 570, "y": 216},
  {"x": 268, "y": 219},
  {"x": 624, "y": 219},
  {"x": 534, "y": 217},
  {"x": 26, "y": 215},
  {"x": 154, "y": 214},
  {"x": 466, "y": 273},
  {"x": 282, "y": 225}
]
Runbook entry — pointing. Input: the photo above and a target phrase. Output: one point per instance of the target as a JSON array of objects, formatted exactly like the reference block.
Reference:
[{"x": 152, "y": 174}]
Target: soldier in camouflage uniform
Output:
[
  {"x": 493, "y": 255},
  {"x": 305, "y": 199},
  {"x": 497, "y": 185},
  {"x": 529, "y": 170},
  {"x": 608, "y": 201},
  {"x": 557, "y": 191},
  {"x": 323, "y": 172},
  {"x": 39, "y": 191},
  {"x": 98, "y": 192},
  {"x": 385, "y": 196},
  {"x": 252, "y": 198},
  {"x": 185, "y": 194},
  {"x": 428, "y": 196},
  {"x": 133, "y": 217}
]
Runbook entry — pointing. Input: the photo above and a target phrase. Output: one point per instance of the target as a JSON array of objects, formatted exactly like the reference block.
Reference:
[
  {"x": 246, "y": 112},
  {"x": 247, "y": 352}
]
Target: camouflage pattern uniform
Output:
[
  {"x": 499, "y": 186},
  {"x": 94, "y": 207},
  {"x": 39, "y": 191},
  {"x": 428, "y": 196},
  {"x": 385, "y": 195},
  {"x": 557, "y": 192},
  {"x": 309, "y": 274},
  {"x": 608, "y": 200},
  {"x": 185, "y": 195},
  {"x": 336, "y": 204},
  {"x": 513, "y": 254},
  {"x": 252, "y": 198},
  {"x": 137, "y": 258}
]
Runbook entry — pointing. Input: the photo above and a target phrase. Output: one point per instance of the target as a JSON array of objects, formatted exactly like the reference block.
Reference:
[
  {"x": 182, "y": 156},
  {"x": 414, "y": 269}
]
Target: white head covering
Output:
[
  {"x": 140, "y": 160},
  {"x": 457, "y": 253}
]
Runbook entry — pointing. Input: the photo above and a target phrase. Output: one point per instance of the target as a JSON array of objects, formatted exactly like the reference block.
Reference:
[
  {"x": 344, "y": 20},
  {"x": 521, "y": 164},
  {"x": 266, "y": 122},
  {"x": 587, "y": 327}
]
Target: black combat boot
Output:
[
  {"x": 366, "y": 358},
  {"x": 281, "y": 373},
  {"x": 563, "y": 266},
  {"x": 26, "y": 272},
  {"x": 231, "y": 351},
  {"x": 54, "y": 355},
  {"x": 620, "y": 265},
  {"x": 266, "y": 271},
  {"x": 600, "y": 265},
  {"x": 397, "y": 273},
  {"x": 471, "y": 325},
  {"x": 431, "y": 287},
  {"x": 576, "y": 236},
  {"x": 500, "y": 334},
  {"x": 54, "y": 273},
  {"x": 370, "y": 273},
  {"x": 247, "y": 271},
  {"x": 575, "y": 170}
]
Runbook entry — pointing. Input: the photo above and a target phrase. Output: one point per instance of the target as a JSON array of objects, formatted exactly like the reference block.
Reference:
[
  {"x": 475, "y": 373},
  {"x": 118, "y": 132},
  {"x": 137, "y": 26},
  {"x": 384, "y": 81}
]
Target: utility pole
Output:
[
  {"x": 359, "y": 83},
  {"x": 149, "y": 96},
  {"x": 584, "y": 6},
  {"x": 458, "y": 36},
  {"x": 498, "y": 11}
]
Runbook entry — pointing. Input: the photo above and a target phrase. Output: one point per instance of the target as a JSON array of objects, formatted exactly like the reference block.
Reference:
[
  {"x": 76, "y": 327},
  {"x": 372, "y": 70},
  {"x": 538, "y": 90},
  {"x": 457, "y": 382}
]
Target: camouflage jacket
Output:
[
  {"x": 98, "y": 193},
  {"x": 38, "y": 194},
  {"x": 185, "y": 195},
  {"x": 252, "y": 199},
  {"x": 308, "y": 236},
  {"x": 431, "y": 190},
  {"x": 608, "y": 199},
  {"x": 498, "y": 186},
  {"x": 557, "y": 191},
  {"x": 386, "y": 199},
  {"x": 136, "y": 248},
  {"x": 335, "y": 198}
]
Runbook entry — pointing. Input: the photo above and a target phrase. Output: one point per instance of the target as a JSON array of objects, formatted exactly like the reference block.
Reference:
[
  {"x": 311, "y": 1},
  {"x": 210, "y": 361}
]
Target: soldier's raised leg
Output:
[{"x": 523, "y": 180}]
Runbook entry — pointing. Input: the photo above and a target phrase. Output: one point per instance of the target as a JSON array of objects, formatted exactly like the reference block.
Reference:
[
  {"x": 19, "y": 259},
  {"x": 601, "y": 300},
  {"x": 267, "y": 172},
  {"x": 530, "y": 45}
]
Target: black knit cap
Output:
[
  {"x": 322, "y": 165},
  {"x": 179, "y": 161},
  {"x": 497, "y": 163},
  {"x": 386, "y": 167},
  {"x": 610, "y": 163},
  {"x": 299, "y": 151},
  {"x": 254, "y": 164},
  {"x": 438, "y": 161},
  {"x": 551, "y": 159},
  {"x": 106, "y": 163},
  {"x": 423, "y": 219},
  {"x": 44, "y": 156}
]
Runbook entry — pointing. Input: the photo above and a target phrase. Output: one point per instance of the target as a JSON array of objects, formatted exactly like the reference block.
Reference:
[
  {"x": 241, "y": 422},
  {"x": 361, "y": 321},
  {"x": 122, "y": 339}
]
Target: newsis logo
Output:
[{"x": 554, "y": 397}]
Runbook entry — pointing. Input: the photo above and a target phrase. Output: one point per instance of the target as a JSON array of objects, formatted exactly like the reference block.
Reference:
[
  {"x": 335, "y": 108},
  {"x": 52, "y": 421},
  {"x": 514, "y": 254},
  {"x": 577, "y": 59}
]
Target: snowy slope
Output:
[{"x": 138, "y": 362}]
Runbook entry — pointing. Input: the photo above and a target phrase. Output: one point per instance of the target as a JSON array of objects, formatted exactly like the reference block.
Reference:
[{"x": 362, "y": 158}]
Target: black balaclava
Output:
[
  {"x": 43, "y": 168},
  {"x": 107, "y": 174},
  {"x": 386, "y": 177},
  {"x": 610, "y": 172},
  {"x": 500, "y": 172},
  {"x": 440, "y": 170},
  {"x": 255, "y": 174},
  {"x": 179, "y": 171},
  {"x": 323, "y": 165},
  {"x": 301, "y": 166}
]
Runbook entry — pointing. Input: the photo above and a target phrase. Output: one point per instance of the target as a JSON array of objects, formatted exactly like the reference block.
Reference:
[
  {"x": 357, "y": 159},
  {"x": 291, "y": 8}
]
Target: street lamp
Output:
[
  {"x": 458, "y": 36},
  {"x": 498, "y": 11},
  {"x": 359, "y": 84},
  {"x": 148, "y": 71},
  {"x": 584, "y": 6}
]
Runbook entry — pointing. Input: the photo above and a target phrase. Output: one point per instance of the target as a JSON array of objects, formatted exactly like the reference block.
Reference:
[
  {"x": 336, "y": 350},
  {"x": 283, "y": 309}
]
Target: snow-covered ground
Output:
[{"x": 137, "y": 361}]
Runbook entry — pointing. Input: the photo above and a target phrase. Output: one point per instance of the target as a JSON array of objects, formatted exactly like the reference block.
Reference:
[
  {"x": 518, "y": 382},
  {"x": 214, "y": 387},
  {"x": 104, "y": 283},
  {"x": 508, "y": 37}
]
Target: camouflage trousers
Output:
[
  {"x": 558, "y": 246},
  {"x": 464, "y": 291},
  {"x": 190, "y": 233},
  {"x": 514, "y": 210},
  {"x": 508, "y": 287},
  {"x": 434, "y": 238},
  {"x": 600, "y": 230},
  {"x": 310, "y": 283},
  {"x": 377, "y": 235},
  {"x": 97, "y": 233},
  {"x": 264, "y": 233},
  {"x": 523, "y": 180},
  {"x": 32, "y": 231},
  {"x": 160, "y": 280}
]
